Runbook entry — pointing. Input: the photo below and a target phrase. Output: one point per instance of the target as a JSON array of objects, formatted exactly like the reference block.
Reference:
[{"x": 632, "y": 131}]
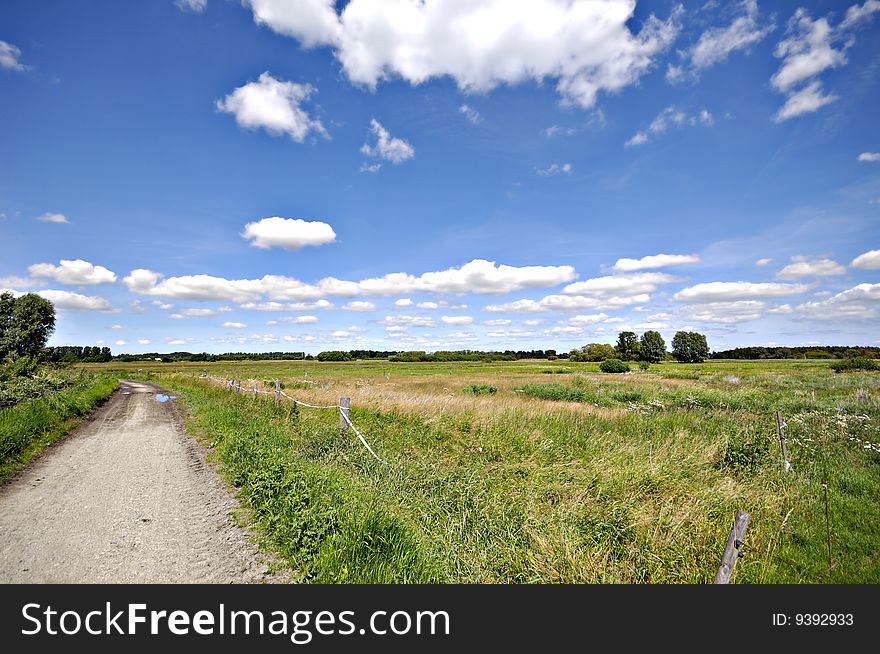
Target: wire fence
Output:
[{"x": 345, "y": 422}]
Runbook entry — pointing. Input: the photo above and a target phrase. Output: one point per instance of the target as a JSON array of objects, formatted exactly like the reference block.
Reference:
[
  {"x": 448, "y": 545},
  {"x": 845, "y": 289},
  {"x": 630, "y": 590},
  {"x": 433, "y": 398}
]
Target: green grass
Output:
[
  {"x": 603, "y": 478},
  {"x": 29, "y": 427}
]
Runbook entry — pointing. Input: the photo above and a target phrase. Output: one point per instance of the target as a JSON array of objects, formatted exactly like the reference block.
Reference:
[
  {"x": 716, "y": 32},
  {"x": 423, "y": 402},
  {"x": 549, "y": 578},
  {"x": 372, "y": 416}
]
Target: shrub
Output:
[
  {"x": 480, "y": 389},
  {"x": 614, "y": 366},
  {"x": 644, "y": 365},
  {"x": 854, "y": 364}
]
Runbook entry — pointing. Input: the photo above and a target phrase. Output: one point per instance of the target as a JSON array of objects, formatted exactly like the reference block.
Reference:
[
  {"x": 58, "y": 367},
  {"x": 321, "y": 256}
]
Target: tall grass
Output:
[{"x": 27, "y": 428}]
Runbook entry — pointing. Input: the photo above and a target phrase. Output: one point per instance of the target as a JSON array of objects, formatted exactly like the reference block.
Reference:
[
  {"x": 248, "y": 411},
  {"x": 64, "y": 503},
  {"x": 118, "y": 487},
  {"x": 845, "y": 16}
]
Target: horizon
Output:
[{"x": 247, "y": 177}]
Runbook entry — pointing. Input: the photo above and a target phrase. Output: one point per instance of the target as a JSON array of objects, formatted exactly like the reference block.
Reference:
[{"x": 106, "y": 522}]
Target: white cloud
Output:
[
  {"x": 9, "y": 57},
  {"x": 730, "y": 291},
  {"x": 471, "y": 114},
  {"x": 859, "y": 302},
  {"x": 407, "y": 321},
  {"x": 555, "y": 130},
  {"x": 198, "y": 6},
  {"x": 716, "y": 43},
  {"x": 287, "y": 233},
  {"x": 817, "y": 268},
  {"x": 808, "y": 50},
  {"x": 273, "y": 105},
  {"x": 75, "y": 301},
  {"x": 869, "y": 260},
  {"x": 726, "y": 312},
  {"x": 554, "y": 169},
  {"x": 403, "y": 302},
  {"x": 233, "y": 325},
  {"x": 763, "y": 262},
  {"x": 359, "y": 306},
  {"x": 670, "y": 117},
  {"x": 807, "y": 100},
  {"x": 298, "y": 320},
  {"x": 428, "y": 305},
  {"x": 477, "y": 276},
  {"x": 654, "y": 261},
  {"x": 371, "y": 168},
  {"x": 534, "y": 322},
  {"x": 869, "y": 156},
  {"x": 567, "y": 303},
  {"x": 74, "y": 271},
  {"x": 587, "y": 47},
  {"x": 144, "y": 341},
  {"x": 500, "y": 322},
  {"x": 59, "y": 218},
  {"x": 457, "y": 320},
  {"x": 198, "y": 313},
  {"x": 628, "y": 284},
  {"x": 120, "y": 342},
  {"x": 386, "y": 146}
]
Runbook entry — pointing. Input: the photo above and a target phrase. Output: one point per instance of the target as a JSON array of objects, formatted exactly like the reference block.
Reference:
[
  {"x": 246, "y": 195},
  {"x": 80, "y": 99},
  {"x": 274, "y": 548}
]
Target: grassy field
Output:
[
  {"x": 30, "y": 426},
  {"x": 544, "y": 472}
]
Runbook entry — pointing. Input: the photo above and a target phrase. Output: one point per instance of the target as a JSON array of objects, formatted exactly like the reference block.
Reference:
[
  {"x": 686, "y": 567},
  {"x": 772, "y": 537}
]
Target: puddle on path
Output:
[{"x": 161, "y": 397}]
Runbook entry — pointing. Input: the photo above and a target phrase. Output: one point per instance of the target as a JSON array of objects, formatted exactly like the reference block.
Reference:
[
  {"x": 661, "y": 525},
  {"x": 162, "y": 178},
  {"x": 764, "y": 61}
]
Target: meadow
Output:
[{"x": 547, "y": 471}]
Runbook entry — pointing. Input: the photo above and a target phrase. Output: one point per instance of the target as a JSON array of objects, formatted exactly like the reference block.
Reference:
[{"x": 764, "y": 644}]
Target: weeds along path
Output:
[{"x": 126, "y": 498}]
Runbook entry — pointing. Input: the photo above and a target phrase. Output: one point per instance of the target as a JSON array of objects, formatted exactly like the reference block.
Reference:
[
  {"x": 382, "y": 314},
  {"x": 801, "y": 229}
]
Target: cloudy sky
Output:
[{"x": 217, "y": 175}]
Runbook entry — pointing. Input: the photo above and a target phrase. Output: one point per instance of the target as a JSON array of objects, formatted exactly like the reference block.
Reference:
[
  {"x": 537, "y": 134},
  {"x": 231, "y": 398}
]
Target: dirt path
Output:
[{"x": 127, "y": 498}]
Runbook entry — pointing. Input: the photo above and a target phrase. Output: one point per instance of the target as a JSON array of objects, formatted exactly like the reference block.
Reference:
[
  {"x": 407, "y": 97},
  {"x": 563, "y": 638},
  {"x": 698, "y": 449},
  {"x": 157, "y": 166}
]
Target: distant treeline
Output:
[
  {"x": 824, "y": 352},
  {"x": 475, "y": 355},
  {"x": 76, "y": 354},
  {"x": 172, "y": 357},
  {"x": 337, "y": 355}
]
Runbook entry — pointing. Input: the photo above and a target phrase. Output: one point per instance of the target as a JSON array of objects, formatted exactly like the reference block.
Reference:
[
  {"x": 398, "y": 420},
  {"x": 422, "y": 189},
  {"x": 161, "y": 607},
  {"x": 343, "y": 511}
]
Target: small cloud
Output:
[
  {"x": 403, "y": 302},
  {"x": 763, "y": 262},
  {"x": 358, "y": 305},
  {"x": 869, "y": 156},
  {"x": 120, "y": 342},
  {"x": 471, "y": 114},
  {"x": 670, "y": 117},
  {"x": 554, "y": 169},
  {"x": 457, "y": 320},
  {"x": 9, "y": 57},
  {"x": 870, "y": 260},
  {"x": 233, "y": 325},
  {"x": 144, "y": 341},
  {"x": 197, "y": 6},
  {"x": 387, "y": 147},
  {"x": 555, "y": 131},
  {"x": 53, "y": 218},
  {"x": 287, "y": 233}
]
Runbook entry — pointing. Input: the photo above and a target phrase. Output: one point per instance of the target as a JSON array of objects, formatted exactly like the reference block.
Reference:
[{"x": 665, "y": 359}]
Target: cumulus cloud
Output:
[
  {"x": 627, "y": 284},
  {"x": 590, "y": 319},
  {"x": 554, "y": 169},
  {"x": 717, "y": 43},
  {"x": 407, "y": 321},
  {"x": 810, "y": 48},
  {"x": 403, "y": 302},
  {"x": 869, "y": 260},
  {"x": 471, "y": 114},
  {"x": 478, "y": 276},
  {"x": 359, "y": 305},
  {"x": 859, "y": 302},
  {"x": 726, "y": 312},
  {"x": 59, "y": 218},
  {"x": 670, "y": 117},
  {"x": 815, "y": 268},
  {"x": 386, "y": 147},
  {"x": 273, "y": 105},
  {"x": 144, "y": 341},
  {"x": 233, "y": 325},
  {"x": 587, "y": 47},
  {"x": 299, "y": 320},
  {"x": 654, "y": 261},
  {"x": 9, "y": 57},
  {"x": 74, "y": 271},
  {"x": 729, "y": 291},
  {"x": 75, "y": 301},
  {"x": 869, "y": 156},
  {"x": 499, "y": 322},
  {"x": 568, "y": 303},
  {"x": 287, "y": 233},
  {"x": 457, "y": 320},
  {"x": 763, "y": 262}
]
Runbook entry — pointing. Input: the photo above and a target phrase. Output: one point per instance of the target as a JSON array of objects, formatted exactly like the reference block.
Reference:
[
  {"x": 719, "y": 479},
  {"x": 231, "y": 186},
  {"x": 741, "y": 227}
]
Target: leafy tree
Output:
[
  {"x": 652, "y": 347},
  {"x": 627, "y": 346},
  {"x": 689, "y": 347},
  {"x": 25, "y": 324},
  {"x": 593, "y": 352},
  {"x": 334, "y": 355},
  {"x": 614, "y": 366}
]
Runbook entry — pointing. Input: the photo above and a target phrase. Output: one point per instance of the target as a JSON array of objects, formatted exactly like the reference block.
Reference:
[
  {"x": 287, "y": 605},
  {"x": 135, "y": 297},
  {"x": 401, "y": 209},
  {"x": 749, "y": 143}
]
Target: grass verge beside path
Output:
[{"x": 29, "y": 427}]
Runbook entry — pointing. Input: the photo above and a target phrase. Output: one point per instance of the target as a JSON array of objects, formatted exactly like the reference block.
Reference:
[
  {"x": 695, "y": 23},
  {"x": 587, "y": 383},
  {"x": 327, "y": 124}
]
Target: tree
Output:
[
  {"x": 652, "y": 347},
  {"x": 689, "y": 347},
  {"x": 25, "y": 324},
  {"x": 593, "y": 352},
  {"x": 627, "y": 346}
]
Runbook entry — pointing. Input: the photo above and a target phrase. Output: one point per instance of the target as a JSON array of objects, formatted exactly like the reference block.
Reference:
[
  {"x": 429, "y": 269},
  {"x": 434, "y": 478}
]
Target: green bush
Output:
[
  {"x": 854, "y": 364},
  {"x": 480, "y": 389},
  {"x": 614, "y": 366}
]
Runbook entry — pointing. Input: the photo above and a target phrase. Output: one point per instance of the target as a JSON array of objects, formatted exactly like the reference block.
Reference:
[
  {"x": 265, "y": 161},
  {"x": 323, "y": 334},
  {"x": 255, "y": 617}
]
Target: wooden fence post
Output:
[
  {"x": 238, "y": 386},
  {"x": 344, "y": 404},
  {"x": 780, "y": 426},
  {"x": 255, "y": 391},
  {"x": 731, "y": 550},
  {"x": 277, "y": 392}
]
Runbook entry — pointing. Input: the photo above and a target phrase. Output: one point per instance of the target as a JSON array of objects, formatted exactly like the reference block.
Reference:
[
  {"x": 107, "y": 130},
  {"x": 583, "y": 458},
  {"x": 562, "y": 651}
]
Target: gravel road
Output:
[{"x": 126, "y": 498}]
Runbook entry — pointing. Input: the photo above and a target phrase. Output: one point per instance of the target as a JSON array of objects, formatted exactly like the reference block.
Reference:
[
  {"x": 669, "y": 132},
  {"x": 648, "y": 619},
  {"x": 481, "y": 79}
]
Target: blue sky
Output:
[{"x": 213, "y": 175}]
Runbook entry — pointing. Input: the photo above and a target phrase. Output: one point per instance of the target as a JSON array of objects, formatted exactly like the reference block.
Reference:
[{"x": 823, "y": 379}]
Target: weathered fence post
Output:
[
  {"x": 731, "y": 550},
  {"x": 344, "y": 404},
  {"x": 780, "y": 426},
  {"x": 238, "y": 386},
  {"x": 255, "y": 391},
  {"x": 277, "y": 392}
]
